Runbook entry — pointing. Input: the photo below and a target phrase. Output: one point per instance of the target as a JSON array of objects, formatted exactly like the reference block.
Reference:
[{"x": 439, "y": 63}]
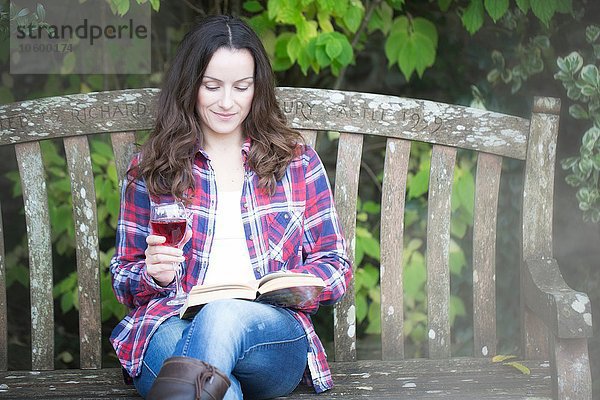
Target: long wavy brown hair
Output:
[{"x": 167, "y": 155}]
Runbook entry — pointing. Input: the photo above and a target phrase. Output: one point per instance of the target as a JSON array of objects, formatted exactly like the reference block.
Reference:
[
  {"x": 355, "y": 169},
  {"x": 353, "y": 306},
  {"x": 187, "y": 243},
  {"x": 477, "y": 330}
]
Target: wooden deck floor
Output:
[{"x": 460, "y": 378}]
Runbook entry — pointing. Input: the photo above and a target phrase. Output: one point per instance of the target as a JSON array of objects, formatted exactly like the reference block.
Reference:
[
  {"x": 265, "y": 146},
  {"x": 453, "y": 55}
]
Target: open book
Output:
[{"x": 284, "y": 289}]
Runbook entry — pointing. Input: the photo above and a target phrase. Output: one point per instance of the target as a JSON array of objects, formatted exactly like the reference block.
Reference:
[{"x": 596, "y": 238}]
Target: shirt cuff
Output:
[{"x": 151, "y": 285}]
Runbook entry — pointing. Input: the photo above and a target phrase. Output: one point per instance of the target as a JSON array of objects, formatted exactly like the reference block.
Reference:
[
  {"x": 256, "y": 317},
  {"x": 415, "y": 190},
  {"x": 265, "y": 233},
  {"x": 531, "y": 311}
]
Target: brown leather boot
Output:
[{"x": 187, "y": 378}]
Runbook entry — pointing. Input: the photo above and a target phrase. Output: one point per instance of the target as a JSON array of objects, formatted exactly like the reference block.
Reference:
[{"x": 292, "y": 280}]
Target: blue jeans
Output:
[{"x": 263, "y": 349}]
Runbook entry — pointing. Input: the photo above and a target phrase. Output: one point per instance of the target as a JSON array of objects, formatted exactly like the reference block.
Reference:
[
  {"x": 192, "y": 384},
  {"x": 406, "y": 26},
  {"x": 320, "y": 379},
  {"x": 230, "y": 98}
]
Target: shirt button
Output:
[
  {"x": 286, "y": 216},
  {"x": 245, "y": 205},
  {"x": 251, "y": 237}
]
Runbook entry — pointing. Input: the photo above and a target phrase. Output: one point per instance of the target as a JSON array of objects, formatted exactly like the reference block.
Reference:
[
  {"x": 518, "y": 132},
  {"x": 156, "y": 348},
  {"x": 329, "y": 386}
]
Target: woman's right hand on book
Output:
[{"x": 161, "y": 260}]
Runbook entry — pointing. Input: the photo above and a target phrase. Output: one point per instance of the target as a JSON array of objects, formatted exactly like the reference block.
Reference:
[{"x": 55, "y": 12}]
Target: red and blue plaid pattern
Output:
[{"x": 296, "y": 229}]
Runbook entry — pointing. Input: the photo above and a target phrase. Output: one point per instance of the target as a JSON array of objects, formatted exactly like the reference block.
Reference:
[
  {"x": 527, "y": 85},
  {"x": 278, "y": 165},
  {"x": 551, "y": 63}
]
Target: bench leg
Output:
[{"x": 571, "y": 376}]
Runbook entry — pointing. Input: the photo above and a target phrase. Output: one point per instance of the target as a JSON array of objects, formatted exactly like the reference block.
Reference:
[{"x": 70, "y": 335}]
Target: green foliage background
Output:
[{"x": 491, "y": 54}]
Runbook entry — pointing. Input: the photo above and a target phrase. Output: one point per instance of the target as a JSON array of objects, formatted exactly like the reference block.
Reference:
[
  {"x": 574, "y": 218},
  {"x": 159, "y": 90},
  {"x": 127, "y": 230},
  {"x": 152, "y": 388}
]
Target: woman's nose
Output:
[{"x": 226, "y": 100}]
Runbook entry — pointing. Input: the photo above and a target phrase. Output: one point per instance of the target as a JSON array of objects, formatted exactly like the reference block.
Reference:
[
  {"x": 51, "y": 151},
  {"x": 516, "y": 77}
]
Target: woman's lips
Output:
[{"x": 224, "y": 116}]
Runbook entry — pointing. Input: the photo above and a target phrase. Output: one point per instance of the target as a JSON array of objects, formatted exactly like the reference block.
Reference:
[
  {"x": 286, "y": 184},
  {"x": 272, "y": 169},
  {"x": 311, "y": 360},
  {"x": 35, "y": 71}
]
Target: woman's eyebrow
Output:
[{"x": 218, "y": 80}]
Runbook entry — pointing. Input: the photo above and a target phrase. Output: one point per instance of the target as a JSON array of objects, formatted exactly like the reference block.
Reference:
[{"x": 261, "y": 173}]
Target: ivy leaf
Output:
[
  {"x": 327, "y": 6},
  {"x": 324, "y": 21},
  {"x": 374, "y": 319},
  {"x": 444, "y": 5},
  {"x": 306, "y": 29},
  {"x": 418, "y": 54},
  {"x": 412, "y": 44},
  {"x": 496, "y": 8},
  {"x": 339, "y": 7},
  {"x": 418, "y": 184},
  {"x": 457, "y": 308},
  {"x": 415, "y": 275},
  {"x": 369, "y": 244},
  {"x": 371, "y": 207},
  {"x": 273, "y": 7},
  {"x": 543, "y": 9},
  {"x": 564, "y": 6},
  {"x": 381, "y": 19},
  {"x": 397, "y": 39},
  {"x": 592, "y": 33},
  {"x": 569, "y": 162},
  {"x": 102, "y": 148},
  {"x": 293, "y": 47},
  {"x": 466, "y": 192},
  {"x": 396, "y": 4},
  {"x": 282, "y": 59},
  {"x": 578, "y": 112},
  {"x": 347, "y": 54},
  {"x": 457, "y": 258},
  {"x": 122, "y": 7},
  {"x": 253, "y": 6},
  {"x": 589, "y": 140},
  {"x": 333, "y": 48},
  {"x": 571, "y": 63},
  {"x": 589, "y": 74},
  {"x": 155, "y": 5},
  {"x": 354, "y": 16},
  {"x": 393, "y": 45},
  {"x": 321, "y": 56},
  {"x": 422, "y": 26},
  {"x": 523, "y": 5},
  {"x": 370, "y": 276},
  {"x": 41, "y": 12},
  {"x": 361, "y": 308},
  {"x": 472, "y": 17}
]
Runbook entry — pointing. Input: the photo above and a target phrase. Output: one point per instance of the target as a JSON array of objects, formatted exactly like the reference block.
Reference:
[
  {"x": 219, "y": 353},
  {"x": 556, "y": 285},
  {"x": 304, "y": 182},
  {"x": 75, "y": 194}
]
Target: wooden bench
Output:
[{"x": 555, "y": 323}]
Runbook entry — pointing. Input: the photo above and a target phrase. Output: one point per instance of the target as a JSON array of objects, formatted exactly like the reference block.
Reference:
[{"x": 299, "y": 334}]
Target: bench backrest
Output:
[{"x": 401, "y": 120}]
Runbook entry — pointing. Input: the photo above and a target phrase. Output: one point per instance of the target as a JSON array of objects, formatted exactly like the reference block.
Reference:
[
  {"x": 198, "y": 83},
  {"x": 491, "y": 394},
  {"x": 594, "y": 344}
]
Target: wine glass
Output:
[{"x": 170, "y": 220}]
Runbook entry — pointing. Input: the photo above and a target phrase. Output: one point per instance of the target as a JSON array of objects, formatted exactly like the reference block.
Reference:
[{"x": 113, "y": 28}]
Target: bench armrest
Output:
[{"x": 566, "y": 312}]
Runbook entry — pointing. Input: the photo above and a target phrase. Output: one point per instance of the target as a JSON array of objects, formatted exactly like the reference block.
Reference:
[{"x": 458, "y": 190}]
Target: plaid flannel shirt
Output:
[{"x": 296, "y": 229}]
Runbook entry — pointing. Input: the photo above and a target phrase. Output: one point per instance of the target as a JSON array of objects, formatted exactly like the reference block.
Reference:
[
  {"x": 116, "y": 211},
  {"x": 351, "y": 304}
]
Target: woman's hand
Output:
[{"x": 162, "y": 260}]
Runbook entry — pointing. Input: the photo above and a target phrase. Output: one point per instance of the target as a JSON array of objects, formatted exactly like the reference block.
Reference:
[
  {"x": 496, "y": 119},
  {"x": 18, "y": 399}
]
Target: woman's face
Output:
[{"x": 226, "y": 93}]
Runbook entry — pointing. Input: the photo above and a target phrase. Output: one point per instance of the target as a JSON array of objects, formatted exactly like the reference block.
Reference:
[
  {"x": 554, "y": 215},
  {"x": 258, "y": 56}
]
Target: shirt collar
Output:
[{"x": 245, "y": 149}]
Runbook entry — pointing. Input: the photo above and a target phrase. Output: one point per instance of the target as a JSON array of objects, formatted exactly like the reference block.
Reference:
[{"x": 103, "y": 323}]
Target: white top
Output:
[{"x": 229, "y": 260}]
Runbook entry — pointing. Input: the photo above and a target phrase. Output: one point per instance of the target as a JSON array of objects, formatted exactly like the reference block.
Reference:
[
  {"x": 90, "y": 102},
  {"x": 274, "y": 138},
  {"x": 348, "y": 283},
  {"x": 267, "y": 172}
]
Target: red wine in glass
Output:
[
  {"x": 173, "y": 229},
  {"x": 170, "y": 220}
]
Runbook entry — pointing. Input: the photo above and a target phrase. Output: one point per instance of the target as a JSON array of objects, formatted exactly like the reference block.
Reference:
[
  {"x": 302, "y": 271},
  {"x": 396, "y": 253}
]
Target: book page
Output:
[
  {"x": 283, "y": 280},
  {"x": 253, "y": 285}
]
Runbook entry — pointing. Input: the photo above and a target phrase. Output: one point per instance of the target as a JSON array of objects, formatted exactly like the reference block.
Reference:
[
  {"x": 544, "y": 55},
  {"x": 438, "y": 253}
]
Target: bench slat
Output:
[
  {"x": 487, "y": 185},
  {"x": 31, "y": 169},
  {"x": 310, "y": 137},
  {"x": 123, "y": 144},
  {"x": 88, "y": 260},
  {"x": 319, "y": 109},
  {"x": 78, "y": 115},
  {"x": 438, "y": 247},
  {"x": 392, "y": 237},
  {"x": 346, "y": 193},
  {"x": 405, "y": 118},
  {"x": 3, "y": 308}
]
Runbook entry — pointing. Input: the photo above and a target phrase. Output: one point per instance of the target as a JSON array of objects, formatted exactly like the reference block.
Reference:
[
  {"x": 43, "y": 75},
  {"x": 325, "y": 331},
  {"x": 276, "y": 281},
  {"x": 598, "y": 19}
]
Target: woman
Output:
[{"x": 220, "y": 144}]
